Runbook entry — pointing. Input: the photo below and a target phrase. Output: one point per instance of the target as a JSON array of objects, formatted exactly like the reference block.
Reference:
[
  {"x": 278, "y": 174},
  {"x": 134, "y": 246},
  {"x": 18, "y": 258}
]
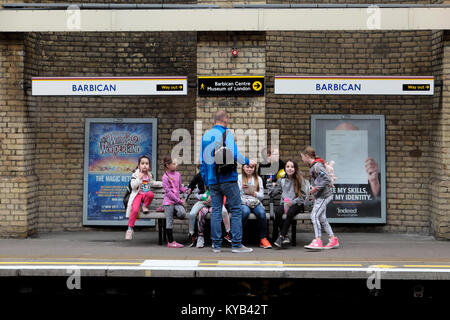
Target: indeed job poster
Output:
[
  {"x": 112, "y": 150},
  {"x": 356, "y": 143}
]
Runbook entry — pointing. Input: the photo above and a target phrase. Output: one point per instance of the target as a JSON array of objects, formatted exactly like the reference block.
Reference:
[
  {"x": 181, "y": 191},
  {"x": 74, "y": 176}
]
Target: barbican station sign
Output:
[
  {"x": 354, "y": 85},
  {"x": 109, "y": 86}
]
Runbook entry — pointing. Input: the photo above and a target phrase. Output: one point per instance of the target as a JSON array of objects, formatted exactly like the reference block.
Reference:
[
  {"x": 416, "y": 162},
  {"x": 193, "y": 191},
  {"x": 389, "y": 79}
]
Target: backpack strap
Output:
[{"x": 224, "y": 136}]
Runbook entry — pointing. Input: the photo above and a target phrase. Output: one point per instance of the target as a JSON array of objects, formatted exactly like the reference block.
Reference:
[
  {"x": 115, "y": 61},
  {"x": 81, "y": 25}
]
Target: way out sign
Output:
[
  {"x": 246, "y": 86},
  {"x": 109, "y": 86},
  {"x": 354, "y": 85}
]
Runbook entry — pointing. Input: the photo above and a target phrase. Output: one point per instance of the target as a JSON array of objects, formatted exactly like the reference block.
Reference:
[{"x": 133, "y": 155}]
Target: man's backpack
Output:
[{"x": 224, "y": 158}]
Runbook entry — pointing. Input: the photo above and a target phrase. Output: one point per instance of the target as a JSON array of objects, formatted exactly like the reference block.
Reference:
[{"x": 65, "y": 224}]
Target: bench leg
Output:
[
  {"x": 160, "y": 231},
  {"x": 294, "y": 233},
  {"x": 164, "y": 231}
]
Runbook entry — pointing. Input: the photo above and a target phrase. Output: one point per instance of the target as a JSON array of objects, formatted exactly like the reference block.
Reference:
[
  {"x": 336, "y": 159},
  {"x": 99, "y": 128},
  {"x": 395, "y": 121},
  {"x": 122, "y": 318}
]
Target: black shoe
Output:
[
  {"x": 190, "y": 241},
  {"x": 286, "y": 241},
  {"x": 279, "y": 242}
]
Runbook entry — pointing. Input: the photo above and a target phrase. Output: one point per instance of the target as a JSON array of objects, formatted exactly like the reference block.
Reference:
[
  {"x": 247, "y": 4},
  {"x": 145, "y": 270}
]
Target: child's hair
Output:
[
  {"x": 255, "y": 176},
  {"x": 139, "y": 162},
  {"x": 297, "y": 178},
  {"x": 310, "y": 152},
  {"x": 167, "y": 160}
]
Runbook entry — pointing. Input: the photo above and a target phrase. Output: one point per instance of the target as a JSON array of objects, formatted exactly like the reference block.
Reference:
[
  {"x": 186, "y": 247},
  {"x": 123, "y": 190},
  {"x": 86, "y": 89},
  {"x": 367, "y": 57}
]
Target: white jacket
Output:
[
  {"x": 136, "y": 184},
  {"x": 251, "y": 182}
]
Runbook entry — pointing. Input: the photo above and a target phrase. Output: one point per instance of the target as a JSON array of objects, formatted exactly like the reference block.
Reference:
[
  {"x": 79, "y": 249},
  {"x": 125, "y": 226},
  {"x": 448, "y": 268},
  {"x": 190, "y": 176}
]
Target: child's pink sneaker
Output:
[
  {"x": 333, "y": 244},
  {"x": 316, "y": 244},
  {"x": 174, "y": 245}
]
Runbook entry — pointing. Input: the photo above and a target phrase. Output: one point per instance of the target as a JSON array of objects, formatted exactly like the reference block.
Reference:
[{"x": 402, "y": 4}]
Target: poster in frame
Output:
[
  {"x": 356, "y": 143},
  {"x": 112, "y": 149}
]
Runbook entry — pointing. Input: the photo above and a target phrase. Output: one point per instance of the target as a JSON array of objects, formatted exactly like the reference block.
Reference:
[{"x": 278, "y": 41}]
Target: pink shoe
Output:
[
  {"x": 174, "y": 245},
  {"x": 316, "y": 244},
  {"x": 333, "y": 244}
]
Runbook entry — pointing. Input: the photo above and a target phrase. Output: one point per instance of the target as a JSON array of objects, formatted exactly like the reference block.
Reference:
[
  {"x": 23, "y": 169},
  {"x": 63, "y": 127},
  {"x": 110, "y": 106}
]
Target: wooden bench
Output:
[{"x": 268, "y": 203}]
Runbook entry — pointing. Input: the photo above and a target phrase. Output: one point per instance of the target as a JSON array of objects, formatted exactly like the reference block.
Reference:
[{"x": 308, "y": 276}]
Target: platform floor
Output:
[
  {"x": 103, "y": 254},
  {"x": 99, "y": 273}
]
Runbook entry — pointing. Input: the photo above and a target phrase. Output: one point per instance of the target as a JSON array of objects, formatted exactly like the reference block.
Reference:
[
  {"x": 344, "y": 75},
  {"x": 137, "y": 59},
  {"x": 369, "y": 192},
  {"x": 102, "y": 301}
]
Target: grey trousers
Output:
[
  {"x": 319, "y": 217},
  {"x": 169, "y": 211}
]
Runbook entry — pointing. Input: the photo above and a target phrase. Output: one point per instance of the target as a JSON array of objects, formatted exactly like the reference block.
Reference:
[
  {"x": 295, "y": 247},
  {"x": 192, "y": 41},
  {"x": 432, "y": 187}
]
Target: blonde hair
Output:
[{"x": 310, "y": 152}]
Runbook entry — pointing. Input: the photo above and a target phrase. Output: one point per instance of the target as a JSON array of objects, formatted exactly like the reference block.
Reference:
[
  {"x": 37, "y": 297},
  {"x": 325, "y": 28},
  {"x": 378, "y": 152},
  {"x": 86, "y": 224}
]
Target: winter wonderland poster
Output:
[{"x": 112, "y": 150}]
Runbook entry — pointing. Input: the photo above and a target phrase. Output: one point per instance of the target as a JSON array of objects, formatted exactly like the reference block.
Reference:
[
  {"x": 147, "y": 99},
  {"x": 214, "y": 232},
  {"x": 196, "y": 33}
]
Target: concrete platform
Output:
[{"x": 107, "y": 254}]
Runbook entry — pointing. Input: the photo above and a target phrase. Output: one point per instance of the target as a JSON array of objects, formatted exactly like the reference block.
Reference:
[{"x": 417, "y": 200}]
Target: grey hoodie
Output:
[
  {"x": 320, "y": 179},
  {"x": 285, "y": 186}
]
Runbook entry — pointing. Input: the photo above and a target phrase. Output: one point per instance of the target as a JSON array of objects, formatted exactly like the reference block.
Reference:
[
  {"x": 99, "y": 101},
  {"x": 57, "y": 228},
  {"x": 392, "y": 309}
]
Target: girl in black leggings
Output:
[{"x": 292, "y": 201}]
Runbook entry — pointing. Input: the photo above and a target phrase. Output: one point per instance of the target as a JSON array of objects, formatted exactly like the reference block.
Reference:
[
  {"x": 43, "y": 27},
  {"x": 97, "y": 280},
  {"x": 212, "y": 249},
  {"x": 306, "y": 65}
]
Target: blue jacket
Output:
[{"x": 211, "y": 140}]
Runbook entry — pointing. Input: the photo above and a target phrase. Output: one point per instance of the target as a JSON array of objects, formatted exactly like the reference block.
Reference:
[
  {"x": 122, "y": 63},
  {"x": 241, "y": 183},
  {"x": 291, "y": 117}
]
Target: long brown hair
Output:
[
  {"x": 254, "y": 175},
  {"x": 297, "y": 178}
]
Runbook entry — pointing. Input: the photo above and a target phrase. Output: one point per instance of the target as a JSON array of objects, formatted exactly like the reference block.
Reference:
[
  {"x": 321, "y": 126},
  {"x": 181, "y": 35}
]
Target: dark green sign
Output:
[{"x": 231, "y": 86}]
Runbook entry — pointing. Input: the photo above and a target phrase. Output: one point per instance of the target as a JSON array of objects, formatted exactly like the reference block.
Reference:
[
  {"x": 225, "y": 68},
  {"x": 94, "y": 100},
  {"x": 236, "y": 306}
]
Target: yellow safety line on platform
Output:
[
  {"x": 218, "y": 264},
  {"x": 280, "y": 264},
  {"x": 320, "y": 265},
  {"x": 426, "y": 266},
  {"x": 69, "y": 263}
]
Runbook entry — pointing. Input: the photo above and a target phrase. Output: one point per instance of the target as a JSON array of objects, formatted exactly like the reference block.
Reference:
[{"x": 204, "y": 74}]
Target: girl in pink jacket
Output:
[{"x": 172, "y": 202}]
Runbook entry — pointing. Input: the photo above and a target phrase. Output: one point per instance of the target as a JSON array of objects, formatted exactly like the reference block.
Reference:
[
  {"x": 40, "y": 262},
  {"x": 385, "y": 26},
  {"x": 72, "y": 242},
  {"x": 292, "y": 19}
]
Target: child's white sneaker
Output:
[
  {"x": 200, "y": 242},
  {"x": 129, "y": 234}
]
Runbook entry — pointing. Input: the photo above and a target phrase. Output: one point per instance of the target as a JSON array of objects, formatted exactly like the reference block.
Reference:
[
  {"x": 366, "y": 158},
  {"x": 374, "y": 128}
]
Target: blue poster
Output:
[{"x": 113, "y": 148}]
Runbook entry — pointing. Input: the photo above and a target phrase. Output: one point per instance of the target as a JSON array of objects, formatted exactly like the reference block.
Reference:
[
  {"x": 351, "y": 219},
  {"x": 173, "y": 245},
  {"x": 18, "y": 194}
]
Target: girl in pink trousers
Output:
[{"x": 141, "y": 181}]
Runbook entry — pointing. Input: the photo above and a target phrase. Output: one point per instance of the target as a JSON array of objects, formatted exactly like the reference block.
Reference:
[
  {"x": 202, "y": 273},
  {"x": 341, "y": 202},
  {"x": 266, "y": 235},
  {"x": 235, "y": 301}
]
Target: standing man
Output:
[{"x": 223, "y": 184}]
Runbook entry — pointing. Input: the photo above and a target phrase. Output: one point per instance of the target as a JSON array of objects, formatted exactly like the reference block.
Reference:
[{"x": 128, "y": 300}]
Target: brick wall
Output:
[
  {"x": 440, "y": 136},
  {"x": 59, "y": 121},
  {"x": 42, "y": 138},
  {"x": 214, "y": 59},
  {"x": 408, "y": 120},
  {"x": 18, "y": 183}
]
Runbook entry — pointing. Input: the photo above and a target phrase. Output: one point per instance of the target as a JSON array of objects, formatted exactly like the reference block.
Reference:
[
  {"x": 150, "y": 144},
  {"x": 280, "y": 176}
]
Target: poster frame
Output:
[
  {"x": 316, "y": 118},
  {"x": 88, "y": 122}
]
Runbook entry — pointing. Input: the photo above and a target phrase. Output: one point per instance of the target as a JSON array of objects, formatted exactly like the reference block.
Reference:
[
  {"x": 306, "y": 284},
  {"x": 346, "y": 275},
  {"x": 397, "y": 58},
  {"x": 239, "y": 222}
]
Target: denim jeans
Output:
[
  {"x": 260, "y": 214},
  {"x": 231, "y": 191}
]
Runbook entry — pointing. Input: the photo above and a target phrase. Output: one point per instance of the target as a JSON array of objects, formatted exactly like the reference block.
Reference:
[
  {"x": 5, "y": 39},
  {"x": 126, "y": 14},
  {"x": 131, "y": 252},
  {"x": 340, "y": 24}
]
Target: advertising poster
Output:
[
  {"x": 112, "y": 150},
  {"x": 356, "y": 143}
]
